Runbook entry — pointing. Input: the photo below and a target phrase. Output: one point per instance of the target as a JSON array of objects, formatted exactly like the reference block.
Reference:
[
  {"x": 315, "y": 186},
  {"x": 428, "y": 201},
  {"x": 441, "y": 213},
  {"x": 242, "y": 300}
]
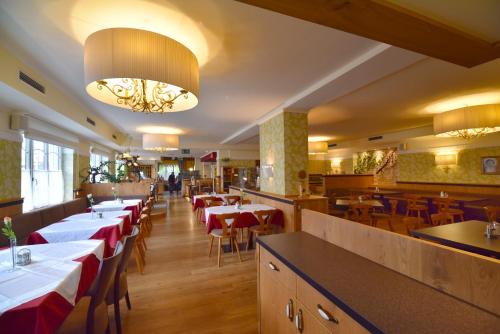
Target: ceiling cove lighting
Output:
[
  {"x": 468, "y": 122},
  {"x": 160, "y": 142},
  {"x": 140, "y": 70},
  {"x": 319, "y": 147}
]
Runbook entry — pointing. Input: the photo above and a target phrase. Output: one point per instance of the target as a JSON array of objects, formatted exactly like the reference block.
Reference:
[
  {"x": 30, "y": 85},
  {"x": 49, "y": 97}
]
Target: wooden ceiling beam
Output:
[{"x": 391, "y": 24}]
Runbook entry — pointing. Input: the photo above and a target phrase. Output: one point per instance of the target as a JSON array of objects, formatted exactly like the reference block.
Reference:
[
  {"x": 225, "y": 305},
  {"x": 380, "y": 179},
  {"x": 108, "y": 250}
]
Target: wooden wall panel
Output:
[
  {"x": 470, "y": 277},
  {"x": 10, "y": 207},
  {"x": 124, "y": 189},
  {"x": 348, "y": 181},
  {"x": 491, "y": 190}
]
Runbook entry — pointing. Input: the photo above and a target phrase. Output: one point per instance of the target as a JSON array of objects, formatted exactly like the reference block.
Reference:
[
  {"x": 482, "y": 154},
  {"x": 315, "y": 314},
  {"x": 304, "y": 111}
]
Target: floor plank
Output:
[{"x": 182, "y": 290}]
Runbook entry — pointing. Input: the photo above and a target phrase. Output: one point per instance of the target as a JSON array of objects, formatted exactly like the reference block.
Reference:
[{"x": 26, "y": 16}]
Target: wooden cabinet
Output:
[{"x": 288, "y": 304}]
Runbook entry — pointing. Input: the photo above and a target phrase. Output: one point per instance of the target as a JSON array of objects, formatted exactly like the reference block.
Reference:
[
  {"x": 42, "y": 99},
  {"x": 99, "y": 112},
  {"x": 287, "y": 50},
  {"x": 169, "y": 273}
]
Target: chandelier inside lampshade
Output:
[
  {"x": 141, "y": 71},
  {"x": 468, "y": 122},
  {"x": 160, "y": 142}
]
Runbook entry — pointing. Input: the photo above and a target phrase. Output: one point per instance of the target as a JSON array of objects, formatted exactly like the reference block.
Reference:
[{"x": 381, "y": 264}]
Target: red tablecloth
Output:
[
  {"x": 198, "y": 203},
  {"x": 45, "y": 314},
  {"x": 245, "y": 219}
]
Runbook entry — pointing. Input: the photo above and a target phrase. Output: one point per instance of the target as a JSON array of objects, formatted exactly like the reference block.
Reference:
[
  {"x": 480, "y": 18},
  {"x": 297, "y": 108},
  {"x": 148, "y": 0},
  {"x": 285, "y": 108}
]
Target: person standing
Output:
[{"x": 171, "y": 183}]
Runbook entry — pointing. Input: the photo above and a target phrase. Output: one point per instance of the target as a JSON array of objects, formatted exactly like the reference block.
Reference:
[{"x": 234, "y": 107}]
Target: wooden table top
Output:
[
  {"x": 468, "y": 236},
  {"x": 379, "y": 192},
  {"x": 380, "y": 299},
  {"x": 347, "y": 202}
]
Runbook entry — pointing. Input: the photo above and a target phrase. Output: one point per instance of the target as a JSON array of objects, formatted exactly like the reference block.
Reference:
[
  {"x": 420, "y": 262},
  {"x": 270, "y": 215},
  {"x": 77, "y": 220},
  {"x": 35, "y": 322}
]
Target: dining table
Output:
[
  {"x": 110, "y": 228},
  {"x": 246, "y": 218},
  {"x": 36, "y": 298},
  {"x": 468, "y": 236},
  {"x": 348, "y": 202},
  {"x": 134, "y": 205}
]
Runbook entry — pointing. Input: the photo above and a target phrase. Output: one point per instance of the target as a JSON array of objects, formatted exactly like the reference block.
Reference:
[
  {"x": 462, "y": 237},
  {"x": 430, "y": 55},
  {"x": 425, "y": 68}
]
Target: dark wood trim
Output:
[
  {"x": 451, "y": 184},
  {"x": 11, "y": 202},
  {"x": 389, "y": 23},
  {"x": 258, "y": 193},
  {"x": 347, "y": 175}
]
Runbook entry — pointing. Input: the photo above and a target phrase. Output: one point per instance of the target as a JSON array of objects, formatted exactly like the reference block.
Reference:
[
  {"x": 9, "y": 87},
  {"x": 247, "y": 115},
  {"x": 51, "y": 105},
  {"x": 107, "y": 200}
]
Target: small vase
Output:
[{"x": 13, "y": 253}]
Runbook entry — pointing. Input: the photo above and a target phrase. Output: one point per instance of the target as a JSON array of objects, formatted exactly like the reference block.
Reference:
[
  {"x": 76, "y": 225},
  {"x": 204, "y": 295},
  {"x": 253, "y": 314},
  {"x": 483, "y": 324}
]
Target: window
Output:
[
  {"x": 95, "y": 161},
  {"x": 47, "y": 174}
]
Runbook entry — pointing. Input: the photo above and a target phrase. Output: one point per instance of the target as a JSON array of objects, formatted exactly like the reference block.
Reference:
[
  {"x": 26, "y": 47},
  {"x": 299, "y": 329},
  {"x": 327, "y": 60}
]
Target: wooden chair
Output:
[
  {"x": 414, "y": 205},
  {"x": 412, "y": 223},
  {"x": 148, "y": 225},
  {"x": 265, "y": 227},
  {"x": 362, "y": 213},
  {"x": 389, "y": 217},
  {"x": 90, "y": 314},
  {"x": 232, "y": 200},
  {"x": 492, "y": 213},
  {"x": 206, "y": 204},
  {"x": 120, "y": 286},
  {"x": 441, "y": 218},
  {"x": 225, "y": 233},
  {"x": 246, "y": 201},
  {"x": 140, "y": 246},
  {"x": 443, "y": 205}
]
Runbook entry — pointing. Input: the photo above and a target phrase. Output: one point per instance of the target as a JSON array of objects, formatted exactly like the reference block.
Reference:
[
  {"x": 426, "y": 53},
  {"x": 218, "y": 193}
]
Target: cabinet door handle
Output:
[
  {"x": 289, "y": 310},
  {"x": 273, "y": 266},
  {"x": 326, "y": 315},
  {"x": 299, "y": 322}
]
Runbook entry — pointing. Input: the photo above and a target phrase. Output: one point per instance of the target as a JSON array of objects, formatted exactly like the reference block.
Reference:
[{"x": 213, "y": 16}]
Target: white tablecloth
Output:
[
  {"x": 116, "y": 205},
  {"x": 105, "y": 214},
  {"x": 52, "y": 269},
  {"x": 221, "y": 196},
  {"x": 217, "y": 210},
  {"x": 80, "y": 229}
]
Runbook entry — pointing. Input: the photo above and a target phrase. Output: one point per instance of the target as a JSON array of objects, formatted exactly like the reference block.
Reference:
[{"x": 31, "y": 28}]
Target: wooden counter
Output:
[
  {"x": 377, "y": 298},
  {"x": 290, "y": 205}
]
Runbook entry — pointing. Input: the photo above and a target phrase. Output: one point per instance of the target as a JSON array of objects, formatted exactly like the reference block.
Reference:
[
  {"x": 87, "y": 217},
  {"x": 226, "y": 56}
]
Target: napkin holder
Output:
[{"x": 23, "y": 257}]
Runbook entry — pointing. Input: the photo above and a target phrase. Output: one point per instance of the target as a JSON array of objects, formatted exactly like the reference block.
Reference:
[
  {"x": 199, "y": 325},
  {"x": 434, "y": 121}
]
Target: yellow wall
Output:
[
  {"x": 238, "y": 163},
  {"x": 283, "y": 144},
  {"x": 420, "y": 167},
  {"x": 10, "y": 169},
  {"x": 83, "y": 167},
  {"x": 319, "y": 167}
]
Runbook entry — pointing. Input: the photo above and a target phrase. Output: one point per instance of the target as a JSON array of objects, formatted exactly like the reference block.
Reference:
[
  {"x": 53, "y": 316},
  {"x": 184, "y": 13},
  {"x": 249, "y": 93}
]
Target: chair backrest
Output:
[
  {"x": 412, "y": 200},
  {"x": 215, "y": 203},
  {"x": 492, "y": 212},
  {"x": 394, "y": 207},
  {"x": 443, "y": 204},
  {"x": 246, "y": 201},
  {"x": 265, "y": 218},
  {"x": 207, "y": 200},
  {"x": 412, "y": 223},
  {"x": 231, "y": 200},
  {"x": 223, "y": 218},
  {"x": 145, "y": 211},
  {"x": 128, "y": 246},
  {"x": 441, "y": 218},
  {"x": 105, "y": 278},
  {"x": 362, "y": 212}
]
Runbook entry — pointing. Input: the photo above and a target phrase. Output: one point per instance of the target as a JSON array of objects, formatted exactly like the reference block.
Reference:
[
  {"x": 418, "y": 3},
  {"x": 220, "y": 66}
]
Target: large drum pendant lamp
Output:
[
  {"x": 160, "y": 142},
  {"x": 141, "y": 71},
  {"x": 319, "y": 147}
]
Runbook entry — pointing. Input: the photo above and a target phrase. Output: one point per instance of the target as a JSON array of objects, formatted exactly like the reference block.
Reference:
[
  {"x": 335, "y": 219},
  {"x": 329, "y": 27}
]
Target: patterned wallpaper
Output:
[
  {"x": 421, "y": 167},
  {"x": 10, "y": 169},
  {"x": 283, "y": 144},
  {"x": 238, "y": 163}
]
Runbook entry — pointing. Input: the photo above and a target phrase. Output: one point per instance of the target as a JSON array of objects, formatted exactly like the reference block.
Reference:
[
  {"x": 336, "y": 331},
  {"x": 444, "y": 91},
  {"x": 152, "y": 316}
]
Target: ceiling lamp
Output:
[
  {"x": 468, "y": 122},
  {"x": 140, "y": 70},
  {"x": 318, "y": 147},
  {"x": 160, "y": 142}
]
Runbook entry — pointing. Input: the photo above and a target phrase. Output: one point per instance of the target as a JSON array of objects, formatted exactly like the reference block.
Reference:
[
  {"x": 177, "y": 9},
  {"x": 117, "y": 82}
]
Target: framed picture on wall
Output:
[{"x": 490, "y": 165}]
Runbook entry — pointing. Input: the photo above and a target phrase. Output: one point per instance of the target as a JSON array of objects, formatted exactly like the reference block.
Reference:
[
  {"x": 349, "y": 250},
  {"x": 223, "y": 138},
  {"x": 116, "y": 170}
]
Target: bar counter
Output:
[{"x": 380, "y": 299}]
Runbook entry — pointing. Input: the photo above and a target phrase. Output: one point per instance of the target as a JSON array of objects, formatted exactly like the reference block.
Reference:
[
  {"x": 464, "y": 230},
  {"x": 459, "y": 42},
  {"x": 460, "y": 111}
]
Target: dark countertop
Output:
[
  {"x": 380, "y": 299},
  {"x": 468, "y": 236}
]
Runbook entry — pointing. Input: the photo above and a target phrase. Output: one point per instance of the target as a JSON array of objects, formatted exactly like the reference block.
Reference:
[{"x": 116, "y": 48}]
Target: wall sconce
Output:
[
  {"x": 335, "y": 165},
  {"x": 446, "y": 161},
  {"x": 267, "y": 171}
]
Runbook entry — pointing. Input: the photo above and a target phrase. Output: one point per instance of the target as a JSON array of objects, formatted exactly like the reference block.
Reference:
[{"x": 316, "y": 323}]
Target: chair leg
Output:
[
  {"x": 127, "y": 300},
  {"x": 238, "y": 249},
  {"x": 138, "y": 259},
  {"x": 118, "y": 321},
  {"x": 219, "y": 251},
  {"x": 211, "y": 245},
  {"x": 389, "y": 221},
  {"x": 248, "y": 239}
]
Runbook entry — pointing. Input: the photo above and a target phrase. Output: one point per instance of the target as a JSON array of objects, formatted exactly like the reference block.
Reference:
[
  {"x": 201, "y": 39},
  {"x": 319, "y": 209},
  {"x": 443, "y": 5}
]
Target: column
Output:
[{"x": 283, "y": 146}]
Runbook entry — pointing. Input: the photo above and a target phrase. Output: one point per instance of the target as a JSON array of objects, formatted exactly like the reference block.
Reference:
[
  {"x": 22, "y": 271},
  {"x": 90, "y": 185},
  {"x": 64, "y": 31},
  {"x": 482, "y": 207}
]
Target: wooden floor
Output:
[{"x": 182, "y": 290}]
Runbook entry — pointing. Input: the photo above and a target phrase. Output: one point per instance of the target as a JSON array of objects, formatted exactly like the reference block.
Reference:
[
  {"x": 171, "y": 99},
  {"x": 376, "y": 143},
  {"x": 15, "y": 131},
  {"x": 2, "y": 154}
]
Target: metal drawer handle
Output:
[
  {"x": 326, "y": 315},
  {"x": 273, "y": 266},
  {"x": 298, "y": 321},
  {"x": 289, "y": 310}
]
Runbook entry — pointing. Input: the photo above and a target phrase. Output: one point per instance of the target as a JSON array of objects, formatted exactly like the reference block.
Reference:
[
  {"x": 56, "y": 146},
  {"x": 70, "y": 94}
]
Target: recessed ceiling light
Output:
[
  {"x": 313, "y": 139},
  {"x": 159, "y": 129},
  {"x": 470, "y": 100}
]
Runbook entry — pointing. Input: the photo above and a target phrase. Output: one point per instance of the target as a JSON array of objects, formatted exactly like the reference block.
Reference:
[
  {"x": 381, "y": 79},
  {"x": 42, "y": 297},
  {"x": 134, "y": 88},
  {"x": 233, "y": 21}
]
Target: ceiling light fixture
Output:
[
  {"x": 160, "y": 142},
  {"x": 318, "y": 147},
  {"x": 468, "y": 122},
  {"x": 140, "y": 70}
]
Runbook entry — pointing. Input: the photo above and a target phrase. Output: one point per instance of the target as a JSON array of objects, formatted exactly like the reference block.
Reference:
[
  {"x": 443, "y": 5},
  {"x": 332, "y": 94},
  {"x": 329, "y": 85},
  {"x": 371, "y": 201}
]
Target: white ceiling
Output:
[
  {"x": 255, "y": 62},
  {"x": 254, "y": 59}
]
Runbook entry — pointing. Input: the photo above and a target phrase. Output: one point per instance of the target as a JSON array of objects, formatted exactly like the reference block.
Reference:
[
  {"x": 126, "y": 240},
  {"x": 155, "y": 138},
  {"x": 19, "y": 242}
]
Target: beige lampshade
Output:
[
  {"x": 446, "y": 159},
  {"x": 468, "y": 122},
  {"x": 128, "y": 58},
  {"x": 160, "y": 142},
  {"x": 319, "y": 147}
]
